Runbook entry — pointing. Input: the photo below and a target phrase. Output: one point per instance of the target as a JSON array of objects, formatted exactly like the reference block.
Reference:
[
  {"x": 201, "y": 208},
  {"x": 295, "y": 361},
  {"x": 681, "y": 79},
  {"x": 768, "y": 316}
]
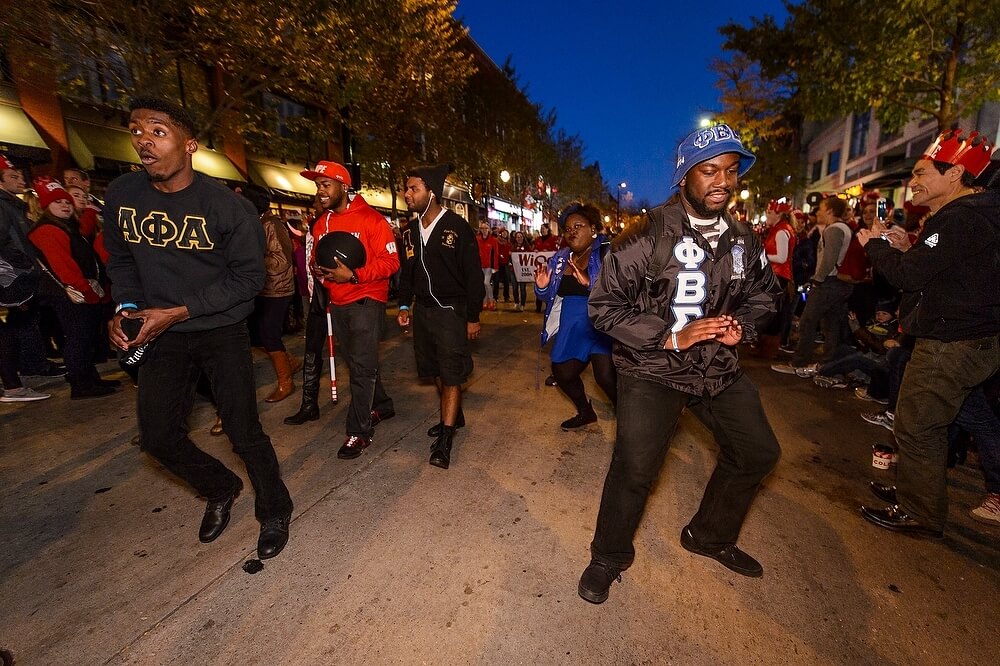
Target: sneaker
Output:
[
  {"x": 353, "y": 447},
  {"x": 883, "y": 419},
  {"x": 807, "y": 370},
  {"x": 862, "y": 392},
  {"x": 23, "y": 394},
  {"x": 829, "y": 382},
  {"x": 785, "y": 349},
  {"x": 989, "y": 510},
  {"x": 596, "y": 581}
]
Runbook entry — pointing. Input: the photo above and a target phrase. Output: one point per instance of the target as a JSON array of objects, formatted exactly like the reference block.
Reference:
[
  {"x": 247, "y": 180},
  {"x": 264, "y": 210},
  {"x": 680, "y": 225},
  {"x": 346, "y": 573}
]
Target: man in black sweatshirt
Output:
[
  {"x": 187, "y": 260},
  {"x": 441, "y": 271}
]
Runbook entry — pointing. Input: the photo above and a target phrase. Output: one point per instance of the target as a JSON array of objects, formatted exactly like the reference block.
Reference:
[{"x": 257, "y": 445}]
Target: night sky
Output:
[{"x": 631, "y": 78}]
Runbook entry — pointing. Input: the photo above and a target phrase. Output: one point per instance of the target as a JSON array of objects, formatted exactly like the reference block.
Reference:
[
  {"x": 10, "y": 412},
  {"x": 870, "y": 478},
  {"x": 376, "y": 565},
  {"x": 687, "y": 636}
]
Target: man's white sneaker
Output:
[
  {"x": 784, "y": 368},
  {"x": 807, "y": 370},
  {"x": 884, "y": 419},
  {"x": 989, "y": 510},
  {"x": 23, "y": 394}
]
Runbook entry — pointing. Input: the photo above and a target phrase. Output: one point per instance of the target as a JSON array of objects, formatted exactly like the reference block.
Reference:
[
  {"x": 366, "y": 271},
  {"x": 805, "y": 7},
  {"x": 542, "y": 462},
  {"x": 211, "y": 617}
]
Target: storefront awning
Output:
[
  {"x": 18, "y": 137},
  {"x": 282, "y": 179},
  {"x": 89, "y": 143}
]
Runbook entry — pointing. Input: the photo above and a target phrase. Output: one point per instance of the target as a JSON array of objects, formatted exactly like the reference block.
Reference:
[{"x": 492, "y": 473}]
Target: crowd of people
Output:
[{"x": 169, "y": 269}]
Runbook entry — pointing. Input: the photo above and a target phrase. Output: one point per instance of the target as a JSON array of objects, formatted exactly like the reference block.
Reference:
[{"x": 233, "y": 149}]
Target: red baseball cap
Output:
[
  {"x": 333, "y": 170},
  {"x": 6, "y": 164}
]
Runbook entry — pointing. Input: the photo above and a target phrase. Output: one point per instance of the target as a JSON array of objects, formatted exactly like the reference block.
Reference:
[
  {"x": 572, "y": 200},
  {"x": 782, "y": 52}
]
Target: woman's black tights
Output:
[{"x": 568, "y": 373}]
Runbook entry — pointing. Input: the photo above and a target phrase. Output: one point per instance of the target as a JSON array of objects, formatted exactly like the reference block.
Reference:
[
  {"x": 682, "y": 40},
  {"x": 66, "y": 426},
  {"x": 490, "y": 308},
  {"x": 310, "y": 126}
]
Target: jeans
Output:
[
  {"x": 897, "y": 358},
  {"x": 938, "y": 379},
  {"x": 358, "y": 328},
  {"x": 269, "y": 315},
  {"x": 827, "y": 304},
  {"x": 31, "y": 346},
  {"x": 80, "y": 323},
  {"x": 978, "y": 418},
  {"x": 166, "y": 392},
  {"x": 647, "y": 417},
  {"x": 503, "y": 274}
]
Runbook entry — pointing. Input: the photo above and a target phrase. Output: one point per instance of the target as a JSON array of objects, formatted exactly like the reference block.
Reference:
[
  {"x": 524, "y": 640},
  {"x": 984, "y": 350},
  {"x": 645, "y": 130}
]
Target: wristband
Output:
[
  {"x": 673, "y": 340},
  {"x": 404, "y": 307},
  {"x": 126, "y": 306}
]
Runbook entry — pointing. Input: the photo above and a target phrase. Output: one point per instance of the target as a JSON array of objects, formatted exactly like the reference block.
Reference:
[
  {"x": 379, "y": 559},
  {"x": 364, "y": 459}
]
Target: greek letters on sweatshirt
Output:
[{"x": 202, "y": 247}]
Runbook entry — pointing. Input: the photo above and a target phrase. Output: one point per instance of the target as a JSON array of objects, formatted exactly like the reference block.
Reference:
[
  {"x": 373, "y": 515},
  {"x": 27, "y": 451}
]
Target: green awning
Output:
[
  {"x": 215, "y": 164},
  {"x": 89, "y": 142},
  {"x": 281, "y": 178},
  {"x": 17, "y": 130}
]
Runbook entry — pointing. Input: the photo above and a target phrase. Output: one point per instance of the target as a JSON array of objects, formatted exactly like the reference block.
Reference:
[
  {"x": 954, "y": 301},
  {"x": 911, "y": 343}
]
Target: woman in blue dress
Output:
[{"x": 564, "y": 285}]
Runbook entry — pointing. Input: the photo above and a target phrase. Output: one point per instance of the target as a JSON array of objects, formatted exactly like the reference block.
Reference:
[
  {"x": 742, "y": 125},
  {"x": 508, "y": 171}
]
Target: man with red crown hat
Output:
[{"x": 952, "y": 306}]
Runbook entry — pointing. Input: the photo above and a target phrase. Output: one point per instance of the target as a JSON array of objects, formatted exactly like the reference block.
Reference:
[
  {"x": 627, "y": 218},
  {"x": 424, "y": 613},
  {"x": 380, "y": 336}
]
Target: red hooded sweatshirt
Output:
[{"x": 366, "y": 224}]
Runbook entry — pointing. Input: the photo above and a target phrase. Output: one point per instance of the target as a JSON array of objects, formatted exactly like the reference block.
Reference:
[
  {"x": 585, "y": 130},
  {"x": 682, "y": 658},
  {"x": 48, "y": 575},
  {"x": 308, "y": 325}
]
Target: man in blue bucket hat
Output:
[{"x": 677, "y": 294}]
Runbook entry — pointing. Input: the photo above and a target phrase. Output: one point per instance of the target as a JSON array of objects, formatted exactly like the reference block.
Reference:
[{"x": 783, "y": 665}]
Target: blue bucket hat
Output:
[{"x": 704, "y": 144}]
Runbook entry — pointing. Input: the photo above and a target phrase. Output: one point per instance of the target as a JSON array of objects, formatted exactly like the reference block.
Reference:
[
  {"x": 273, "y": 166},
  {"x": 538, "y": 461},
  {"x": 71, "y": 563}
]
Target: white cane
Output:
[{"x": 333, "y": 365}]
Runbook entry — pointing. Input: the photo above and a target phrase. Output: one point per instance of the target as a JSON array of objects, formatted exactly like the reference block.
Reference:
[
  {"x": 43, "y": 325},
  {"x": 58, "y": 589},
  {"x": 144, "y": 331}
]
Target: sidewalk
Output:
[{"x": 392, "y": 561}]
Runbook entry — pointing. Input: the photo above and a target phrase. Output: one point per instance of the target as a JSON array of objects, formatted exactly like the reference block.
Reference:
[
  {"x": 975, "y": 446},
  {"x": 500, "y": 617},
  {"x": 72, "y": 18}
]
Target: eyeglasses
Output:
[{"x": 576, "y": 227}]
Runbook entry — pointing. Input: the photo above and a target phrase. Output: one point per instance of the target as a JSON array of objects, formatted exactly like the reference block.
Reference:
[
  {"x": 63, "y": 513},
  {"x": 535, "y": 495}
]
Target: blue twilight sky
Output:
[{"x": 631, "y": 78}]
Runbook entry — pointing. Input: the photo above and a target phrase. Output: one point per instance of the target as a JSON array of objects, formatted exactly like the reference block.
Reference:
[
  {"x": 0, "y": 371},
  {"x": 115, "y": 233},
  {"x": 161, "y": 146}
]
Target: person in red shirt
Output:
[
  {"x": 357, "y": 297},
  {"x": 489, "y": 259},
  {"x": 503, "y": 273},
  {"x": 71, "y": 260},
  {"x": 779, "y": 244}
]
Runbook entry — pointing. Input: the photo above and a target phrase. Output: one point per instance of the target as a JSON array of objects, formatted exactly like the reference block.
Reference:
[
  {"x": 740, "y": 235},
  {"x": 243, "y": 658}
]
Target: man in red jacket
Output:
[{"x": 357, "y": 298}]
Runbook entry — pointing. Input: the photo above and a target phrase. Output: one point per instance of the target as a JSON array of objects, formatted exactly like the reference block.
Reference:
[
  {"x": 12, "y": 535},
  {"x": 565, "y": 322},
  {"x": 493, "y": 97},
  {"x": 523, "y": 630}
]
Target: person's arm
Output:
[
  {"x": 760, "y": 292},
  {"x": 242, "y": 244},
  {"x": 780, "y": 255},
  {"x": 54, "y": 244},
  {"x": 126, "y": 285},
  {"x": 383, "y": 256},
  {"x": 955, "y": 240},
  {"x": 277, "y": 259},
  {"x": 833, "y": 240},
  {"x": 617, "y": 292},
  {"x": 472, "y": 271}
]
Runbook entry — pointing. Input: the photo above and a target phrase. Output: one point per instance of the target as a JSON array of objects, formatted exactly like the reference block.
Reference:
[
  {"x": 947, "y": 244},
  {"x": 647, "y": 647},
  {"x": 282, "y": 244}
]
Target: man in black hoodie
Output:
[
  {"x": 187, "y": 260},
  {"x": 441, "y": 271},
  {"x": 948, "y": 279}
]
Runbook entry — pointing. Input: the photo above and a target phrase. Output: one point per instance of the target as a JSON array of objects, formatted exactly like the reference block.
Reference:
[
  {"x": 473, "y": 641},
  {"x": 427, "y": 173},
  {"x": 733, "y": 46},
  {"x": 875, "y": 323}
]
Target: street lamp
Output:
[{"x": 618, "y": 214}]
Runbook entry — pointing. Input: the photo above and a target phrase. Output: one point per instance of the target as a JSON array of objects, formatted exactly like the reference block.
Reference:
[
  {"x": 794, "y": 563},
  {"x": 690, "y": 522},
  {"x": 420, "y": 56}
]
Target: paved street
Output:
[{"x": 394, "y": 561}]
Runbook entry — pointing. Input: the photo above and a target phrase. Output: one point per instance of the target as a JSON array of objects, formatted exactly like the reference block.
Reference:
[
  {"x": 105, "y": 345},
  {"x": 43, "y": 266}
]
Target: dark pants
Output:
[
  {"x": 938, "y": 379},
  {"x": 8, "y": 356},
  {"x": 520, "y": 293},
  {"x": 896, "y": 358},
  {"x": 316, "y": 327},
  {"x": 647, "y": 417},
  {"x": 166, "y": 393},
  {"x": 80, "y": 323},
  {"x": 358, "y": 329},
  {"x": 269, "y": 314},
  {"x": 502, "y": 275},
  {"x": 31, "y": 346},
  {"x": 826, "y": 305},
  {"x": 978, "y": 418}
]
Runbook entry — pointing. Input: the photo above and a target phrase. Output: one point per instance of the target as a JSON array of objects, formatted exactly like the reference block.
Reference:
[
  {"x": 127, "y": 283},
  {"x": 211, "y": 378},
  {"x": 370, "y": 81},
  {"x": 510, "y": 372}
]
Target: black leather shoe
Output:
[
  {"x": 596, "y": 581},
  {"x": 441, "y": 449},
  {"x": 435, "y": 430},
  {"x": 307, "y": 412},
  {"x": 353, "y": 446},
  {"x": 730, "y": 557},
  {"x": 273, "y": 537},
  {"x": 895, "y": 519},
  {"x": 378, "y": 417},
  {"x": 884, "y": 492},
  {"x": 217, "y": 516}
]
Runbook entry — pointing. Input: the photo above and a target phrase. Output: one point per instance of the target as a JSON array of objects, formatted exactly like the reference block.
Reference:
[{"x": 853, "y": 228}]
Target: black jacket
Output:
[
  {"x": 735, "y": 279},
  {"x": 14, "y": 244},
  {"x": 445, "y": 273},
  {"x": 950, "y": 273}
]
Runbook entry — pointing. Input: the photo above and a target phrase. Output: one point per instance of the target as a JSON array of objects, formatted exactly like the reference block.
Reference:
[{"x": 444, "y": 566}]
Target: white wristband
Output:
[{"x": 673, "y": 340}]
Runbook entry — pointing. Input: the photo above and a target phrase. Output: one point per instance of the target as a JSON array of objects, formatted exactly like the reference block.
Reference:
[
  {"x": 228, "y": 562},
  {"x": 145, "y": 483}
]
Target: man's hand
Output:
[
  {"x": 472, "y": 330},
  {"x": 403, "y": 318},
  {"x": 115, "y": 332},
  {"x": 340, "y": 274},
  {"x": 898, "y": 239},
  {"x": 725, "y": 329},
  {"x": 154, "y": 322}
]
